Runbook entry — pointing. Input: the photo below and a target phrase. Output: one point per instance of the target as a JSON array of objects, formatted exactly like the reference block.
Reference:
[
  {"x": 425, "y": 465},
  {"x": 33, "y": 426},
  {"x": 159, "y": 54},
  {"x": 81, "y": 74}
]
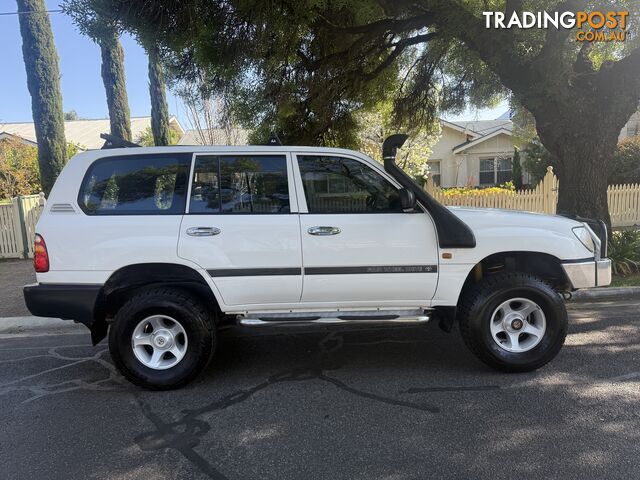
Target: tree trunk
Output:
[
  {"x": 159, "y": 109},
  {"x": 43, "y": 81},
  {"x": 581, "y": 161},
  {"x": 115, "y": 86}
]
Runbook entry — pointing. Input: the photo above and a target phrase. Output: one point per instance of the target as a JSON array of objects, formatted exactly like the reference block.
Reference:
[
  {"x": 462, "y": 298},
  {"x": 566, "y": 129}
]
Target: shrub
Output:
[
  {"x": 625, "y": 164},
  {"x": 508, "y": 188},
  {"x": 624, "y": 252}
]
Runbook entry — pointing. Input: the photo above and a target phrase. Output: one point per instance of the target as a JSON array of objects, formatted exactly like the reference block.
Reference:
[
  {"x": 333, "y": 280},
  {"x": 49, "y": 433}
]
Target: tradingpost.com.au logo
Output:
[{"x": 591, "y": 26}]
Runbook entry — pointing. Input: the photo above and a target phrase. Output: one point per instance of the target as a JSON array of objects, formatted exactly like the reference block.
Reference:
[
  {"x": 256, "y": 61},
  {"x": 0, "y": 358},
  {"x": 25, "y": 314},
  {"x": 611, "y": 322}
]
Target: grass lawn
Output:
[{"x": 628, "y": 281}]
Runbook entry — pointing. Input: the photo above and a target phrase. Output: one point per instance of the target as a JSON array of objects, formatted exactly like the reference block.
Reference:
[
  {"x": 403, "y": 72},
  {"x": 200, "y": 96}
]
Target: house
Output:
[
  {"x": 473, "y": 153},
  {"x": 632, "y": 128},
  {"x": 85, "y": 133},
  {"x": 215, "y": 136}
]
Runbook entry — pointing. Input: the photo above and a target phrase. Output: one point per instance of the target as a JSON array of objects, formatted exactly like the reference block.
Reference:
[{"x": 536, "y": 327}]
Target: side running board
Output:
[{"x": 335, "y": 318}]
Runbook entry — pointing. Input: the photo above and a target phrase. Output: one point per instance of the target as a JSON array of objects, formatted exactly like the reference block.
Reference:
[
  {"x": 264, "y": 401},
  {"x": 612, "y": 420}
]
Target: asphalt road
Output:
[
  {"x": 14, "y": 274},
  {"x": 392, "y": 404}
]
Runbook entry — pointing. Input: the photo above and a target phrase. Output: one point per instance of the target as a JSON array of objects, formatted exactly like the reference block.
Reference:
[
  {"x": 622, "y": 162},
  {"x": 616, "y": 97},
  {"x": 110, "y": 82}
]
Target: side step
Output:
[{"x": 336, "y": 318}]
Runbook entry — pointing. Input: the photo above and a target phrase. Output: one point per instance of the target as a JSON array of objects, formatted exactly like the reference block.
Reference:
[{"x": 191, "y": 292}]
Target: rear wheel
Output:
[
  {"x": 514, "y": 322},
  {"x": 162, "y": 338}
]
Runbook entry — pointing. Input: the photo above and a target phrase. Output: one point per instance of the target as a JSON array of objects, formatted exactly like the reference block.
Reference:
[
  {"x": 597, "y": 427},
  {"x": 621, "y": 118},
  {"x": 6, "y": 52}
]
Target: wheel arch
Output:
[{"x": 131, "y": 279}]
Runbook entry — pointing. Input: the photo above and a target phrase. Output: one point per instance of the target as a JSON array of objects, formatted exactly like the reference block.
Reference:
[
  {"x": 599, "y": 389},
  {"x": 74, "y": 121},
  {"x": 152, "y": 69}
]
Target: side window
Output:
[
  {"x": 136, "y": 185},
  {"x": 344, "y": 185},
  {"x": 237, "y": 184}
]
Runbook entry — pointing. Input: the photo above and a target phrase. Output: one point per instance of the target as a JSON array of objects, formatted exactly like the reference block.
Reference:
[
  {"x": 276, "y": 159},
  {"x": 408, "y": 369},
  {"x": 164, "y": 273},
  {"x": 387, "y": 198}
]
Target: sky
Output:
[{"x": 82, "y": 88}]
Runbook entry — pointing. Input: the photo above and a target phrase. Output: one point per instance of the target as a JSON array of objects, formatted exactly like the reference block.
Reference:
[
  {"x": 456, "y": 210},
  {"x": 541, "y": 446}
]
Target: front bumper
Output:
[{"x": 588, "y": 273}]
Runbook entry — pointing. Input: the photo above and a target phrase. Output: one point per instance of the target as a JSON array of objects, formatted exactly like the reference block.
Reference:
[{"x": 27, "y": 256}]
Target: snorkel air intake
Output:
[{"x": 452, "y": 232}]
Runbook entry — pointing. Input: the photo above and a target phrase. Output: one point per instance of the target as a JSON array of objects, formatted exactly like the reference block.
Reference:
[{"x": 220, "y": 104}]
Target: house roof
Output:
[
  {"x": 85, "y": 133},
  {"x": 215, "y": 136},
  {"x": 472, "y": 143},
  {"x": 480, "y": 127},
  {"x": 11, "y": 136}
]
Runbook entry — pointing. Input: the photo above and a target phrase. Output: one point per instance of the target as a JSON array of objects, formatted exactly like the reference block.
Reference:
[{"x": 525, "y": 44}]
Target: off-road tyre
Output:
[
  {"x": 478, "y": 304},
  {"x": 188, "y": 311}
]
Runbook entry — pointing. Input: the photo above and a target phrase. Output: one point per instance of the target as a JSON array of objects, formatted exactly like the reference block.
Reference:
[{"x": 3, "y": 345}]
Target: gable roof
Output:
[
  {"x": 11, "y": 136},
  {"x": 85, "y": 133},
  {"x": 472, "y": 143}
]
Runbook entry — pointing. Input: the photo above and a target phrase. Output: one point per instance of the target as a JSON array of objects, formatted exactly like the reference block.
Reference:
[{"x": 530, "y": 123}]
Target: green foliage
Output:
[
  {"x": 624, "y": 252},
  {"x": 375, "y": 125},
  {"x": 537, "y": 159},
  {"x": 159, "y": 109},
  {"x": 145, "y": 138},
  {"x": 71, "y": 115},
  {"x": 625, "y": 165},
  {"x": 43, "y": 80},
  {"x": 19, "y": 174},
  {"x": 517, "y": 169},
  {"x": 115, "y": 85}
]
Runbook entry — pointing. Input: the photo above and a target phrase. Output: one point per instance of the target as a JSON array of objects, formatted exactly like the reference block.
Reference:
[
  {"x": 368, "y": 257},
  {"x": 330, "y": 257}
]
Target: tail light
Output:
[{"x": 40, "y": 255}]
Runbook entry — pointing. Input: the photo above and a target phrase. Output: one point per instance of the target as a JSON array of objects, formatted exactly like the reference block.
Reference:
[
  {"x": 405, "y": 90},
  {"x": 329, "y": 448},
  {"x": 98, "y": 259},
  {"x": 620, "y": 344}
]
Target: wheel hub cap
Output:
[
  {"x": 159, "y": 342},
  {"x": 518, "y": 325}
]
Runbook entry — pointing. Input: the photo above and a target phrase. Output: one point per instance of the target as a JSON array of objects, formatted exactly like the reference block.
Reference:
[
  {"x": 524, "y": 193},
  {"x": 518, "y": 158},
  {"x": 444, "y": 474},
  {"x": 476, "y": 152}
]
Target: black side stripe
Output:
[
  {"x": 261, "y": 272},
  {"x": 371, "y": 269},
  {"x": 253, "y": 272},
  {"x": 579, "y": 260}
]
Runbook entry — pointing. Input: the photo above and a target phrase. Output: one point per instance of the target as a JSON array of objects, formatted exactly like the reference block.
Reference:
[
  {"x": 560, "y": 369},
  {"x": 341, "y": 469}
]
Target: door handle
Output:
[
  {"x": 203, "y": 231},
  {"x": 323, "y": 230}
]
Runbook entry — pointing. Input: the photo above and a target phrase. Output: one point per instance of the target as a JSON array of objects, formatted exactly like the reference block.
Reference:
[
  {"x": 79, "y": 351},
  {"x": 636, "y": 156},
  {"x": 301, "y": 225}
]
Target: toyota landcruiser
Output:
[{"x": 160, "y": 247}]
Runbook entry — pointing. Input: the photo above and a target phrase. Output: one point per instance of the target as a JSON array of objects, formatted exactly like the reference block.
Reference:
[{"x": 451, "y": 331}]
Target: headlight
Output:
[{"x": 585, "y": 238}]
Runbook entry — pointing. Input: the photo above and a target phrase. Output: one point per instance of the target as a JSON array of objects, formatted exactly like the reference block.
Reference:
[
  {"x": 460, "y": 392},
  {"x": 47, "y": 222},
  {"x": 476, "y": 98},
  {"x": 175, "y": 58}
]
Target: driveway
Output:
[{"x": 402, "y": 403}]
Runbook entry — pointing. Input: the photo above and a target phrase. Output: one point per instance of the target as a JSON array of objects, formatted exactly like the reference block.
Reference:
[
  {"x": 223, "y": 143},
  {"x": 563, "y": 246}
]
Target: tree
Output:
[
  {"x": 376, "y": 125},
  {"x": 71, "y": 115},
  {"x": 146, "y": 138},
  {"x": 159, "y": 109},
  {"x": 100, "y": 26},
  {"x": 536, "y": 161},
  {"x": 19, "y": 173},
  {"x": 517, "y": 169},
  {"x": 43, "y": 81},
  {"x": 307, "y": 66}
]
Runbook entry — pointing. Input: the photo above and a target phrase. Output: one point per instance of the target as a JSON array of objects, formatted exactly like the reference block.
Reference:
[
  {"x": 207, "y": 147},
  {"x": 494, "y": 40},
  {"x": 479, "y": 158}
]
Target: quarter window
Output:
[
  {"x": 136, "y": 185},
  {"x": 344, "y": 185},
  {"x": 240, "y": 184}
]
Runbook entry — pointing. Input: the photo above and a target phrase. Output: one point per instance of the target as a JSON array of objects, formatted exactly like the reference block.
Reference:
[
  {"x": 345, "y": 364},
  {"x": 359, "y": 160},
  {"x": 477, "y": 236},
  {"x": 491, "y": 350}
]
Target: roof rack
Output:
[{"x": 111, "y": 141}]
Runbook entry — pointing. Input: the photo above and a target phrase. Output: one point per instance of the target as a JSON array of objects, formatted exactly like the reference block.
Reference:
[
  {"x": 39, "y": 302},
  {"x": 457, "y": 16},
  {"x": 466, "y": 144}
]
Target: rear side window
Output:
[
  {"x": 238, "y": 184},
  {"x": 136, "y": 185}
]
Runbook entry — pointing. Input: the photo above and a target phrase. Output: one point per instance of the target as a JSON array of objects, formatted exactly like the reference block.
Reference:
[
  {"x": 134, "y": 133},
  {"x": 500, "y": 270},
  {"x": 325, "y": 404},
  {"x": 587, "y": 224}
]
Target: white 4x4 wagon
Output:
[{"x": 162, "y": 246}]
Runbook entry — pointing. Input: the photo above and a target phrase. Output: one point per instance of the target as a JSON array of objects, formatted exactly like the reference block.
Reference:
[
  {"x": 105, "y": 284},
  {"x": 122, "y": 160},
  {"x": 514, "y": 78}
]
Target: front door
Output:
[
  {"x": 358, "y": 245},
  {"x": 242, "y": 226}
]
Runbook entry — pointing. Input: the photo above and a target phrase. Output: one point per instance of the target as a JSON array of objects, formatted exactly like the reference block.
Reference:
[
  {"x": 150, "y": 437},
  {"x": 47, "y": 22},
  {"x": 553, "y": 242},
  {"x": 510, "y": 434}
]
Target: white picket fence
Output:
[
  {"x": 18, "y": 220},
  {"x": 624, "y": 200}
]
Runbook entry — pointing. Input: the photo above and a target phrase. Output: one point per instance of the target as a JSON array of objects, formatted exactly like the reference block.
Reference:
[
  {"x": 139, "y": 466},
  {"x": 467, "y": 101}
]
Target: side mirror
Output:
[{"x": 407, "y": 200}]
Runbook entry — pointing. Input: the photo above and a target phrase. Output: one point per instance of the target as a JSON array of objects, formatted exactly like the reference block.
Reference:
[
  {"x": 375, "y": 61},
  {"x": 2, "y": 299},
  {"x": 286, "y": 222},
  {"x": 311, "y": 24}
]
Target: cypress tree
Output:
[
  {"x": 517, "y": 169},
  {"x": 43, "y": 81},
  {"x": 114, "y": 84},
  {"x": 159, "y": 109}
]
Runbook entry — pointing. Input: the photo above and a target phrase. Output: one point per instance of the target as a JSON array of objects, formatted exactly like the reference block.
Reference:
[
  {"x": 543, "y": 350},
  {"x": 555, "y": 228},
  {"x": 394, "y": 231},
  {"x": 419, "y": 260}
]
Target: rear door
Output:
[
  {"x": 358, "y": 244},
  {"x": 242, "y": 226}
]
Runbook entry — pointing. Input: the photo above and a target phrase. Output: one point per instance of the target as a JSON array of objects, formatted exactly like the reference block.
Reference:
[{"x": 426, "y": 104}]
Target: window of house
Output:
[
  {"x": 495, "y": 171},
  {"x": 136, "y": 185},
  {"x": 434, "y": 172},
  {"x": 344, "y": 185},
  {"x": 240, "y": 184}
]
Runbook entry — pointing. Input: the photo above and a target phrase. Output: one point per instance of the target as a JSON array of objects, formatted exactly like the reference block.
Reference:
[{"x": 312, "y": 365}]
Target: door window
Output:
[
  {"x": 343, "y": 185},
  {"x": 136, "y": 185},
  {"x": 239, "y": 184}
]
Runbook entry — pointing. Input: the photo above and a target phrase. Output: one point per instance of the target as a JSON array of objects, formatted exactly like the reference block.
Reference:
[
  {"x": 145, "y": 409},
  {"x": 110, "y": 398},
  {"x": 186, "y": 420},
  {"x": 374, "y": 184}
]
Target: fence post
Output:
[
  {"x": 24, "y": 248},
  {"x": 429, "y": 186},
  {"x": 548, "y": 192}
]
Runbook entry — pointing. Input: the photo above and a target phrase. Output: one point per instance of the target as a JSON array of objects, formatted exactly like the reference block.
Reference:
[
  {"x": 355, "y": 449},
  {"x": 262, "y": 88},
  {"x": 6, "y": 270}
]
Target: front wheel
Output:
[
  {"x": 513, "y": 322},
  {"x": 162, "y": 338}
]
